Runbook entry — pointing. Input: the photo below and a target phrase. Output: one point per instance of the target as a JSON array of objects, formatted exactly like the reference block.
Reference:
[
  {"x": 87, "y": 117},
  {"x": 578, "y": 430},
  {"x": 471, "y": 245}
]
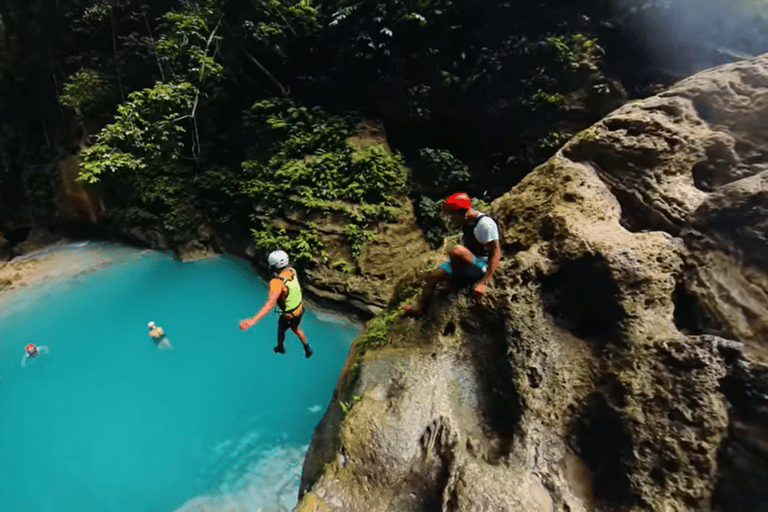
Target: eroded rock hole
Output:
[
  {"x": 703, "y": 176},
  {"x": 450, "y": 329},
  {"x": 583, "y": 298},
  {"x": 600, "y": 438},
  {"x": 429, "y": 479},
  {"x": 742, "y": 482},
  {"x": 630, "y": 127},
  {"x": 704, "y": 109},
  {"x": 716, "y": 169},
  {"x": 18, "y": 235},
  {"x": 638, "y": 216},
  {"x": 690, "y": 316},
  {"x": 498, "y": 400},
  {"x": 534, "y": 377}
]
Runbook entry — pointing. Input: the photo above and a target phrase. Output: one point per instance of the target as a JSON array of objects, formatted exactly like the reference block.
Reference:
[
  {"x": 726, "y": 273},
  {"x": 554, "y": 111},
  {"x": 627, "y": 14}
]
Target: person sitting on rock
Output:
[
  {"x": 284, "y": 290},
  {"x": 472, "y": 262},
  {"x": 158, "y": 335}
]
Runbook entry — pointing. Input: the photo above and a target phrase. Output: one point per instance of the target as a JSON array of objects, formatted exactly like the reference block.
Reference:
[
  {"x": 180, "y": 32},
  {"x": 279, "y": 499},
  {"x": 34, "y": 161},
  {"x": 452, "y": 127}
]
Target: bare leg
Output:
[
  {"x": 303, "y": 339},
  {"x": 461, "y": 259},
  {"x": 300, "y": 334},
  {"x": 431, "y": 281}
]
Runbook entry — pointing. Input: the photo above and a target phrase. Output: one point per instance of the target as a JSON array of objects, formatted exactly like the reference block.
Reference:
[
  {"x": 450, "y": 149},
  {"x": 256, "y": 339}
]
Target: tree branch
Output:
[
  {"x": 196, "y": 143},
  {"x": 149, "y": 30},
  {"x": 117, "y": 62},
  {"x": 283, "y": 90}
]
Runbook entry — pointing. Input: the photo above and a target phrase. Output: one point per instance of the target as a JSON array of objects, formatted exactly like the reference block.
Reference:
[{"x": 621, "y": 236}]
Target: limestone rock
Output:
[
  {"x": 76, "y": 201},
  {"x": 618, "y": 361},
  {"x": 37, "y": 239}
]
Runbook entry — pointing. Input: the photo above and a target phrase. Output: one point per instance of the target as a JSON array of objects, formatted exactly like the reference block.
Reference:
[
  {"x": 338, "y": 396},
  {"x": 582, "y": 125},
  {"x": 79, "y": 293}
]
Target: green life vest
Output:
[{"x": 292, "y": 299}]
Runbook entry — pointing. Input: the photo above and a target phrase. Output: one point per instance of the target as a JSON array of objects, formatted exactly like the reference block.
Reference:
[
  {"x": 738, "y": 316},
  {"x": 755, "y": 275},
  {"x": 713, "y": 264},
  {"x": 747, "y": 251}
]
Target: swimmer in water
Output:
[
  {"x": 157, "y": 334},
  {"x": 32, "y": 351}
]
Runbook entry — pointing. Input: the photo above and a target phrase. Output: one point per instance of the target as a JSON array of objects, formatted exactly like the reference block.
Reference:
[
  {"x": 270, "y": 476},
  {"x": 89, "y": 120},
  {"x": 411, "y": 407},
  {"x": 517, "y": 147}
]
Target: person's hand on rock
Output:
[{"x": 480, "y": 289}]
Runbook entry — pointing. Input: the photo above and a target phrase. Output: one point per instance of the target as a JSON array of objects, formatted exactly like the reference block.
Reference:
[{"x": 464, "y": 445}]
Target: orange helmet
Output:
[
  {"x": 457, "y": 201},
  {"x": 30, "y": 347}
]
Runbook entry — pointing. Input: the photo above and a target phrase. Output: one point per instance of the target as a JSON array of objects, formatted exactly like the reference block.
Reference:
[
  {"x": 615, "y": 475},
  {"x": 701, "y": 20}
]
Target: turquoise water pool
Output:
[{"x": 106, "y": 422}]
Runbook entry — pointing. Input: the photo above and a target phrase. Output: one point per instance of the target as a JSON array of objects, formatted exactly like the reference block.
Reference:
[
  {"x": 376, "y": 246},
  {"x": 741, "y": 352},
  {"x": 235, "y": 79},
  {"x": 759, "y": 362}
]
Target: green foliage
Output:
[
  {"x": 300, "y": 158},
  {"x": 344, "y": 266},
  {"x": 281, "y": 22},
  {"x": 431, "y": 220},
  {"x": 146, "y": 138},
  {"x": 588, "y": 134},
  {"x": 480, "y": 205},
  {"x": 552, "y": 142},
  {"x": 437, "y": 173},
  {"x": 373, "y": 212},
  {"x": 428, "y": 69},
  {"x": 374, "y": 175},
  {"x": 42, "y": 182},
  {"x": 302, "y": 245},
  {"x": 357, "y": 236},
  {"x": 219, "y": 180},
  {"x": 285, "y": 131},
  {"x": 142, "y": 151},
  {"x": 377, "y": 329},
  {"x": 575, "y": 50},
  {"x": 346, "y": 407},
  {"x": 83, "y": 91},
  {"x": 184, "y": 46}
]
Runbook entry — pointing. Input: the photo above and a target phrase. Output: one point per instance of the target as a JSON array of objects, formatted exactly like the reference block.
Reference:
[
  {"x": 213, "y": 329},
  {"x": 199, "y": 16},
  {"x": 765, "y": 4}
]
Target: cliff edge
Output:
[{"x": 618, "y": 362}]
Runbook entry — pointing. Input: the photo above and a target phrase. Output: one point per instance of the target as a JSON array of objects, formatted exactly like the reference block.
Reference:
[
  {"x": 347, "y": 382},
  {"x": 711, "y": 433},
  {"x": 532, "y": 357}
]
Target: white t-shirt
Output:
[{"x": 486, "y": 230}]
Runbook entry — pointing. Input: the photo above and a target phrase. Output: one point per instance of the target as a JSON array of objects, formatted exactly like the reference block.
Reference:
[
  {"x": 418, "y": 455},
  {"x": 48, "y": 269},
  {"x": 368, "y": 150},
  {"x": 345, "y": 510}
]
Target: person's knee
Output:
[
  {"x": 460, "y": 253},
  {"x": 436, "y": 276}
]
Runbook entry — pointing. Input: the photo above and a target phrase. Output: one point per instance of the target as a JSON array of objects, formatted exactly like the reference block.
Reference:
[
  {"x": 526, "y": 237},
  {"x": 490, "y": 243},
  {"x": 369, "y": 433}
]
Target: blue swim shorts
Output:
[{"x": 475, "y": 271}]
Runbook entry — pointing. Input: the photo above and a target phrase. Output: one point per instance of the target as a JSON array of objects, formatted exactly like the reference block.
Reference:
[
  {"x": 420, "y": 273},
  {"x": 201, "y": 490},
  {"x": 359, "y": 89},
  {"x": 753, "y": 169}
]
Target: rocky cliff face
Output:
[
  {"x": 75, "y": 201},
  {"x": 619, "y": 360}
]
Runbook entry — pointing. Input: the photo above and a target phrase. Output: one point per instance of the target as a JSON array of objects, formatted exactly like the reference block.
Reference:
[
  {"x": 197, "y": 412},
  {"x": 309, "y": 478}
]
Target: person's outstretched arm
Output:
[
  {"x": 268, "y": 305},
  {"x": 42, "y": 349},
  {"x": 24, "y": 361}
]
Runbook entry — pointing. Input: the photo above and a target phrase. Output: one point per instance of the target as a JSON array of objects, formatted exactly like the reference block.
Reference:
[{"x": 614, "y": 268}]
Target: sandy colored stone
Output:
[
  {"x": 16, "y": 274},
  {"x": 75, "y": 200}
]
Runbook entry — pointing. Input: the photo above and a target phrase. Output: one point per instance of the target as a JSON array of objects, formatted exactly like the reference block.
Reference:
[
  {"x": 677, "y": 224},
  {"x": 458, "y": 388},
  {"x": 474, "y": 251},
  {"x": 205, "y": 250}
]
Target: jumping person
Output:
[
  {"x": 474, "y": 261},
  {"x": 284, "y": 291}
]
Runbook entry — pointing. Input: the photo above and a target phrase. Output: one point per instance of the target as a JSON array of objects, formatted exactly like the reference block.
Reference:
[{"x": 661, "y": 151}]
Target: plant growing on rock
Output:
[
  {"x": 300, "y": 159},
  {"x": 303, "y": 245}
]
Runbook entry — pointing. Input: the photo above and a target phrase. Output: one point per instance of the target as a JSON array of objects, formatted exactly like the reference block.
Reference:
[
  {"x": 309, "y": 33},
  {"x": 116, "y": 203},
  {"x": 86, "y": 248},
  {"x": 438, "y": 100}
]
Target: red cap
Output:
[{"x": 457, "y": 201}]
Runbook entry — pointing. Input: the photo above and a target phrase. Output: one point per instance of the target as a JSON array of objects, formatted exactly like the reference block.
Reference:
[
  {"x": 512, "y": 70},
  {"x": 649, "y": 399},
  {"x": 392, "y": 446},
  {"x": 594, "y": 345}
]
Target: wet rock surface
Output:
[{"x": 617, "y": 363}]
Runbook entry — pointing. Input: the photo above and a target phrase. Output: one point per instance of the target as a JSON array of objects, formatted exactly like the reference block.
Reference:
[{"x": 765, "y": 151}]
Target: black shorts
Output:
[{"x": 285, "y": 323}]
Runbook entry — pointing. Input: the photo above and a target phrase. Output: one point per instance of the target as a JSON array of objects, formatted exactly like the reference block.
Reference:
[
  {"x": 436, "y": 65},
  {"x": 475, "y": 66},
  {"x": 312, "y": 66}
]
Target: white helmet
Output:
[
  {"x": 151, "y": 324},
  {"x": 278, "y": 260}
]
